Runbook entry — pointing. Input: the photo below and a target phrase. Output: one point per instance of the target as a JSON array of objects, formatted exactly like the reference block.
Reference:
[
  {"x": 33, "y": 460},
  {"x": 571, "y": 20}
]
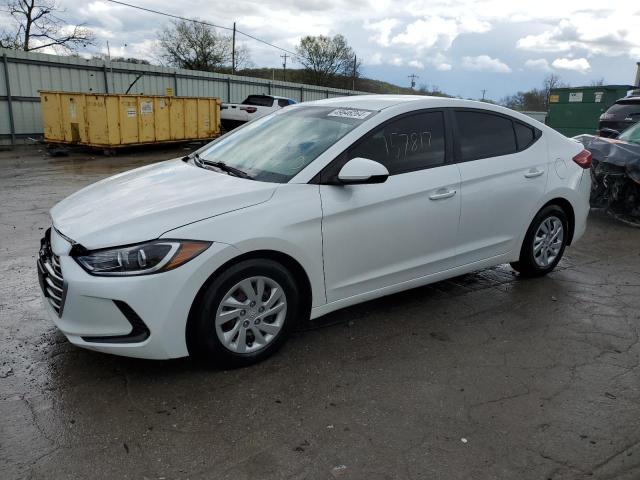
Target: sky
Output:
[{"x": 462, "y": 47}]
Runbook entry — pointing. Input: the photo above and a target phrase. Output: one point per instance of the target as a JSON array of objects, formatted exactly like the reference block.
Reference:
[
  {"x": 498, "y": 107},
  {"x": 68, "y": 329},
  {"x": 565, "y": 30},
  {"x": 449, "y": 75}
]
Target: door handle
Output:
[
  {"x": 533, "y": 173},
  {"x": 441, "y": 195}
]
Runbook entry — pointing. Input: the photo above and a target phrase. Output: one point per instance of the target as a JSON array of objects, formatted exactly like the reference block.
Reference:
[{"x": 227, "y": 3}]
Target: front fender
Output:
[{"x": 289, "y": 223}]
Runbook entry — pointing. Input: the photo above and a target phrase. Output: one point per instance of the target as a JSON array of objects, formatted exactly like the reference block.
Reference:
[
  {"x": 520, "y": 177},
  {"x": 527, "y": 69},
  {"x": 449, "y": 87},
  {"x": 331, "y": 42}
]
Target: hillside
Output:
[{"x": 361, "y": 84}]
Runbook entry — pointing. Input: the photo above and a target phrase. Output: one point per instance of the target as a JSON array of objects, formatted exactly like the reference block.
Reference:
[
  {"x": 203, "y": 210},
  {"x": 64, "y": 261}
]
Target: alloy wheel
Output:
[{"x": 548, "y": 241}]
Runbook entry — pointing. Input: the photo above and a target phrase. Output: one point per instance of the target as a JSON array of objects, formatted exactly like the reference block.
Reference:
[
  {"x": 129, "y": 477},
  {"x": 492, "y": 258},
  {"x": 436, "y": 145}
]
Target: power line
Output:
[{"x": 178, "y": 17}]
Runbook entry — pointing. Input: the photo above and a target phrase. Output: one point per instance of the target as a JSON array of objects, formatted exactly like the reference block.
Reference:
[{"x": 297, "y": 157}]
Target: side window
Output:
[
  {"x": 524, "y": 135},
  {"x": 482, "y": 135},
  {"x": 412, "y": 142},
  {"x": 283, "y": 102}
]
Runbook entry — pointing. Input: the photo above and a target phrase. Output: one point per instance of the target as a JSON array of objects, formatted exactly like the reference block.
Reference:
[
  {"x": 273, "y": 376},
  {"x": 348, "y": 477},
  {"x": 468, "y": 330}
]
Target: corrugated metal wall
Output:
[{"x": 27, "y": 73}]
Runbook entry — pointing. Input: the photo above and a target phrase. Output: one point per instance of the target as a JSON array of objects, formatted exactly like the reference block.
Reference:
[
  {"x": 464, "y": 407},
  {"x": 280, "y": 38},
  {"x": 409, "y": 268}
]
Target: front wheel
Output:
[
  {"x": 245, "y": 314},
  {"x": 544, "y": 243}
]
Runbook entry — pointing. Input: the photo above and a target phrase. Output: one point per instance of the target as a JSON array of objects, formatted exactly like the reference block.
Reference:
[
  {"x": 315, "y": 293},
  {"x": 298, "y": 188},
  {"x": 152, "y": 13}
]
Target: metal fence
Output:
[{"x": 25, "y": 74}]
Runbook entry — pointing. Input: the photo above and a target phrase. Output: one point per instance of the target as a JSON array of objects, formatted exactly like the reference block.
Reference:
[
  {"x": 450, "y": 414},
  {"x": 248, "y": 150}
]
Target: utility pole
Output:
[
  {"x": 484, "y": 90},
  {"x": 355, "y": 64},
  {"x": 233, "y": 50},
  {"x": 113, "y": 84},
  {"x": 284, "y": 66},
  {"x": 413, "y": 77}
]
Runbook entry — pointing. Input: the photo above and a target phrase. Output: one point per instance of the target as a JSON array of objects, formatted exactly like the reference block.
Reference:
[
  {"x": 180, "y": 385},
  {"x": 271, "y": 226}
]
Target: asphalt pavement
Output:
[{"x": 486, "y": 376}]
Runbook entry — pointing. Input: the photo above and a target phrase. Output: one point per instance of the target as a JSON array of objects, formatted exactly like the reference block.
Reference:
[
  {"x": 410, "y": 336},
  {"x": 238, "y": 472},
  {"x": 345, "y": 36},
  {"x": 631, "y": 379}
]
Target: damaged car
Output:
[{"x": 615, "y": 174}]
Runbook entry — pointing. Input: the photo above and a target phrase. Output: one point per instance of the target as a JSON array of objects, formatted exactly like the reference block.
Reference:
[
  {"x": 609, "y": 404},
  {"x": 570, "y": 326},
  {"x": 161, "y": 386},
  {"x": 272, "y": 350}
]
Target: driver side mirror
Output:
[{"x": 362, "y": 171}]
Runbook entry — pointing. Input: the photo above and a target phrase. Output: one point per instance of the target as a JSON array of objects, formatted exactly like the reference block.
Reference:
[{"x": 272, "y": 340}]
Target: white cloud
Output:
[
  {"x": 612, "y": 35},
  {"x": 580, "y": 65},
  {"x": 443, "y": 67},
  {"x": 375, "y": 59},
  {"x": 438, "y": 31},
  {"x": 484, "y": 63},
  {"x": 416, "y": 64},
  {"x": 538, "y": 64},
  {"x": 382, "y": 30}
]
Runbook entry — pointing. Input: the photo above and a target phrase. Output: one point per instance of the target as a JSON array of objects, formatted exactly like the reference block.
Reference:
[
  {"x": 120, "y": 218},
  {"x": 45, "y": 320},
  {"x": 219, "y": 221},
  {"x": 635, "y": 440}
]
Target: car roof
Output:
[
  {"x": 368, "y": 102},
  {"x": 630, "y": 99},
  {"x": 381, "y": 102}
]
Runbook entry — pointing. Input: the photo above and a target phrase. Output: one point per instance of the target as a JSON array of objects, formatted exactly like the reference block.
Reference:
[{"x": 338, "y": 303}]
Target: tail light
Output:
[
  {"x": 249, "y": 109},
  {"x": 583, "y": 159}
]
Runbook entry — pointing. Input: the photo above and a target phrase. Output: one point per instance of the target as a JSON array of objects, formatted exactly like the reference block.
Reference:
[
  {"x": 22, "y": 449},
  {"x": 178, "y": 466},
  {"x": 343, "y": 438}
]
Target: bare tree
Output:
[
  {"x": 327, "y": 57},
  {"x": 38, "y": 26},
  {"x": 197, "y": 46},
  {"x": 536, "y": 99},
  {"x": 550, "y": 82},
  {"x": 597, "y": 83}
]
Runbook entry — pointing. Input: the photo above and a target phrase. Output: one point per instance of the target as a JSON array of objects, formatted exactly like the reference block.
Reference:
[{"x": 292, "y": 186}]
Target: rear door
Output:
[
  {"x": 503, "y": 170},
  {"x": 380, "y": 235}
]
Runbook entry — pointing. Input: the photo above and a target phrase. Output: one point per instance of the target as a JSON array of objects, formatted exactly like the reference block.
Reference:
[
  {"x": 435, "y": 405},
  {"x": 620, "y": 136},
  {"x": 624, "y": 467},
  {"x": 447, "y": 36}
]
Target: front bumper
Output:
[{"x": 141, "y": 316}]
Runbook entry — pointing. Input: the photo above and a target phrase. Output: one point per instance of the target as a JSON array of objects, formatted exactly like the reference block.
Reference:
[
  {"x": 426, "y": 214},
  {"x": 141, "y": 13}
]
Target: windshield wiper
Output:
[{"x": 201, "y": 162}]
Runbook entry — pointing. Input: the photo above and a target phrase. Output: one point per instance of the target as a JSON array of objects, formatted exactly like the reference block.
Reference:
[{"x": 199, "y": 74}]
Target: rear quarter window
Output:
[{"x": 525, "y": 135}]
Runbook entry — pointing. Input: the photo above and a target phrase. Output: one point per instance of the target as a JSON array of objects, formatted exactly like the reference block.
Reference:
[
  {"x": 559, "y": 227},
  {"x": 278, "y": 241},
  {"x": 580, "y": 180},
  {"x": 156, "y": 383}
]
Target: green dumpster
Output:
[{"x": 573, "y": 111}]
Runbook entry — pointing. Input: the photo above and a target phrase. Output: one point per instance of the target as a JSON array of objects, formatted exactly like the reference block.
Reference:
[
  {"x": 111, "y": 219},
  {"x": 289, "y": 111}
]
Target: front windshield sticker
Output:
[{"x": 350, "y": 113}]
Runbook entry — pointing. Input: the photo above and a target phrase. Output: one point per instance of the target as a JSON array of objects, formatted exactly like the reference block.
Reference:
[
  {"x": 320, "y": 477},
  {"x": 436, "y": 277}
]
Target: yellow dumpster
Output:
[{"x": 109, "y": 121}]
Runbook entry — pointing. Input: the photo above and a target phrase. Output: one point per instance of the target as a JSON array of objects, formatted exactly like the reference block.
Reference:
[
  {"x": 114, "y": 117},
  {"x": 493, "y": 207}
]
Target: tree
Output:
[
  {"x": 597, "y": 83},
  {"x": 197, "y": 46},
  {"x": 432, "y": 90},
  {"x": 139, "y": 61},
  {"x": 550, "y": 82},
  {"x": 38, "y": 26},
  {"x": 326, "y": 58},
  {"x": 536, "y": 99}
]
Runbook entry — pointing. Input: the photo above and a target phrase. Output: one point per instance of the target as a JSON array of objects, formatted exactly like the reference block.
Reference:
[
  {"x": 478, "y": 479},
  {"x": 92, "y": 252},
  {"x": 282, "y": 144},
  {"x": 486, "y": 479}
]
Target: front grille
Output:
[{"x": 50, "y": 275}]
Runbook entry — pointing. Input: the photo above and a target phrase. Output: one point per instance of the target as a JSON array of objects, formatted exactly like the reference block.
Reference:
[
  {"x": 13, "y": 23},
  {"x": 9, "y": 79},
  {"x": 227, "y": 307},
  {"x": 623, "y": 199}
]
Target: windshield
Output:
[
  {"x": 631, "y": 134},
  {"x": 276, "y": 147},
  {"x": 259, "y": 100}
]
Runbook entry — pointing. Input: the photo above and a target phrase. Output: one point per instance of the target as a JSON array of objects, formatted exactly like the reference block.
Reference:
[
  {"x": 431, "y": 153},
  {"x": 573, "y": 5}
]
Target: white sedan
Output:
[{"x": 310, "y": 209}]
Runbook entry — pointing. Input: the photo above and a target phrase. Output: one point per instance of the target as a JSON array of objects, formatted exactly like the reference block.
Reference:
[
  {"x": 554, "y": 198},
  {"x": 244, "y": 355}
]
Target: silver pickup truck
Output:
[{"x": 233, "y": 115}]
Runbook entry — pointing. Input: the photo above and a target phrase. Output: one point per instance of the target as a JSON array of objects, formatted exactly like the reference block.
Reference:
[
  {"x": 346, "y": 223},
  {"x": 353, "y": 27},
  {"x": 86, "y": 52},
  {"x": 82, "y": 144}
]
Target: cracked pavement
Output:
[{"x": 486, "y": 376}]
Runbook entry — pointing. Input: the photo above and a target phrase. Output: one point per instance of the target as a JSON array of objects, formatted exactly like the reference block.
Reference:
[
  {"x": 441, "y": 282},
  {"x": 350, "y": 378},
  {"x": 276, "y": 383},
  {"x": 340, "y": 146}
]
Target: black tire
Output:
[
  {"x": 526, "y": 264},
  {"x": 202, "y": 339}
]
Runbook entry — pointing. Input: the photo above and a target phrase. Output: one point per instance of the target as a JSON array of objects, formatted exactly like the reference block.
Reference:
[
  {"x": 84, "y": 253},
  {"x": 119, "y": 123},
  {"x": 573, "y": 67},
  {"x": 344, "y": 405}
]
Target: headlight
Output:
[{"x": 141, "y": 259}]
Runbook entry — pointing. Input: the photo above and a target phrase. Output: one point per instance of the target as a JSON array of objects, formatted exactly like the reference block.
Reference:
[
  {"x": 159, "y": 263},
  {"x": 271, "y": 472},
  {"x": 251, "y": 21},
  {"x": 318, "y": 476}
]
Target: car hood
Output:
[{"x": 144, "y": 203}]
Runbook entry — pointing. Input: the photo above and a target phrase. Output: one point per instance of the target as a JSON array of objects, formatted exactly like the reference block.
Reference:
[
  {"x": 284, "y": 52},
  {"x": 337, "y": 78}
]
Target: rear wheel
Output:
[
  {"x": 245, "y": 314},
  {"x": 544, "y": 243}
]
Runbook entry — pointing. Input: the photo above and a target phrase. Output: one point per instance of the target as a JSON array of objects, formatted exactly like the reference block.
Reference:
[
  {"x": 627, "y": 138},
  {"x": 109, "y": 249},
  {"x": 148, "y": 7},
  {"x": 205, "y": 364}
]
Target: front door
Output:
[{"x": 380, "y": 235}]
